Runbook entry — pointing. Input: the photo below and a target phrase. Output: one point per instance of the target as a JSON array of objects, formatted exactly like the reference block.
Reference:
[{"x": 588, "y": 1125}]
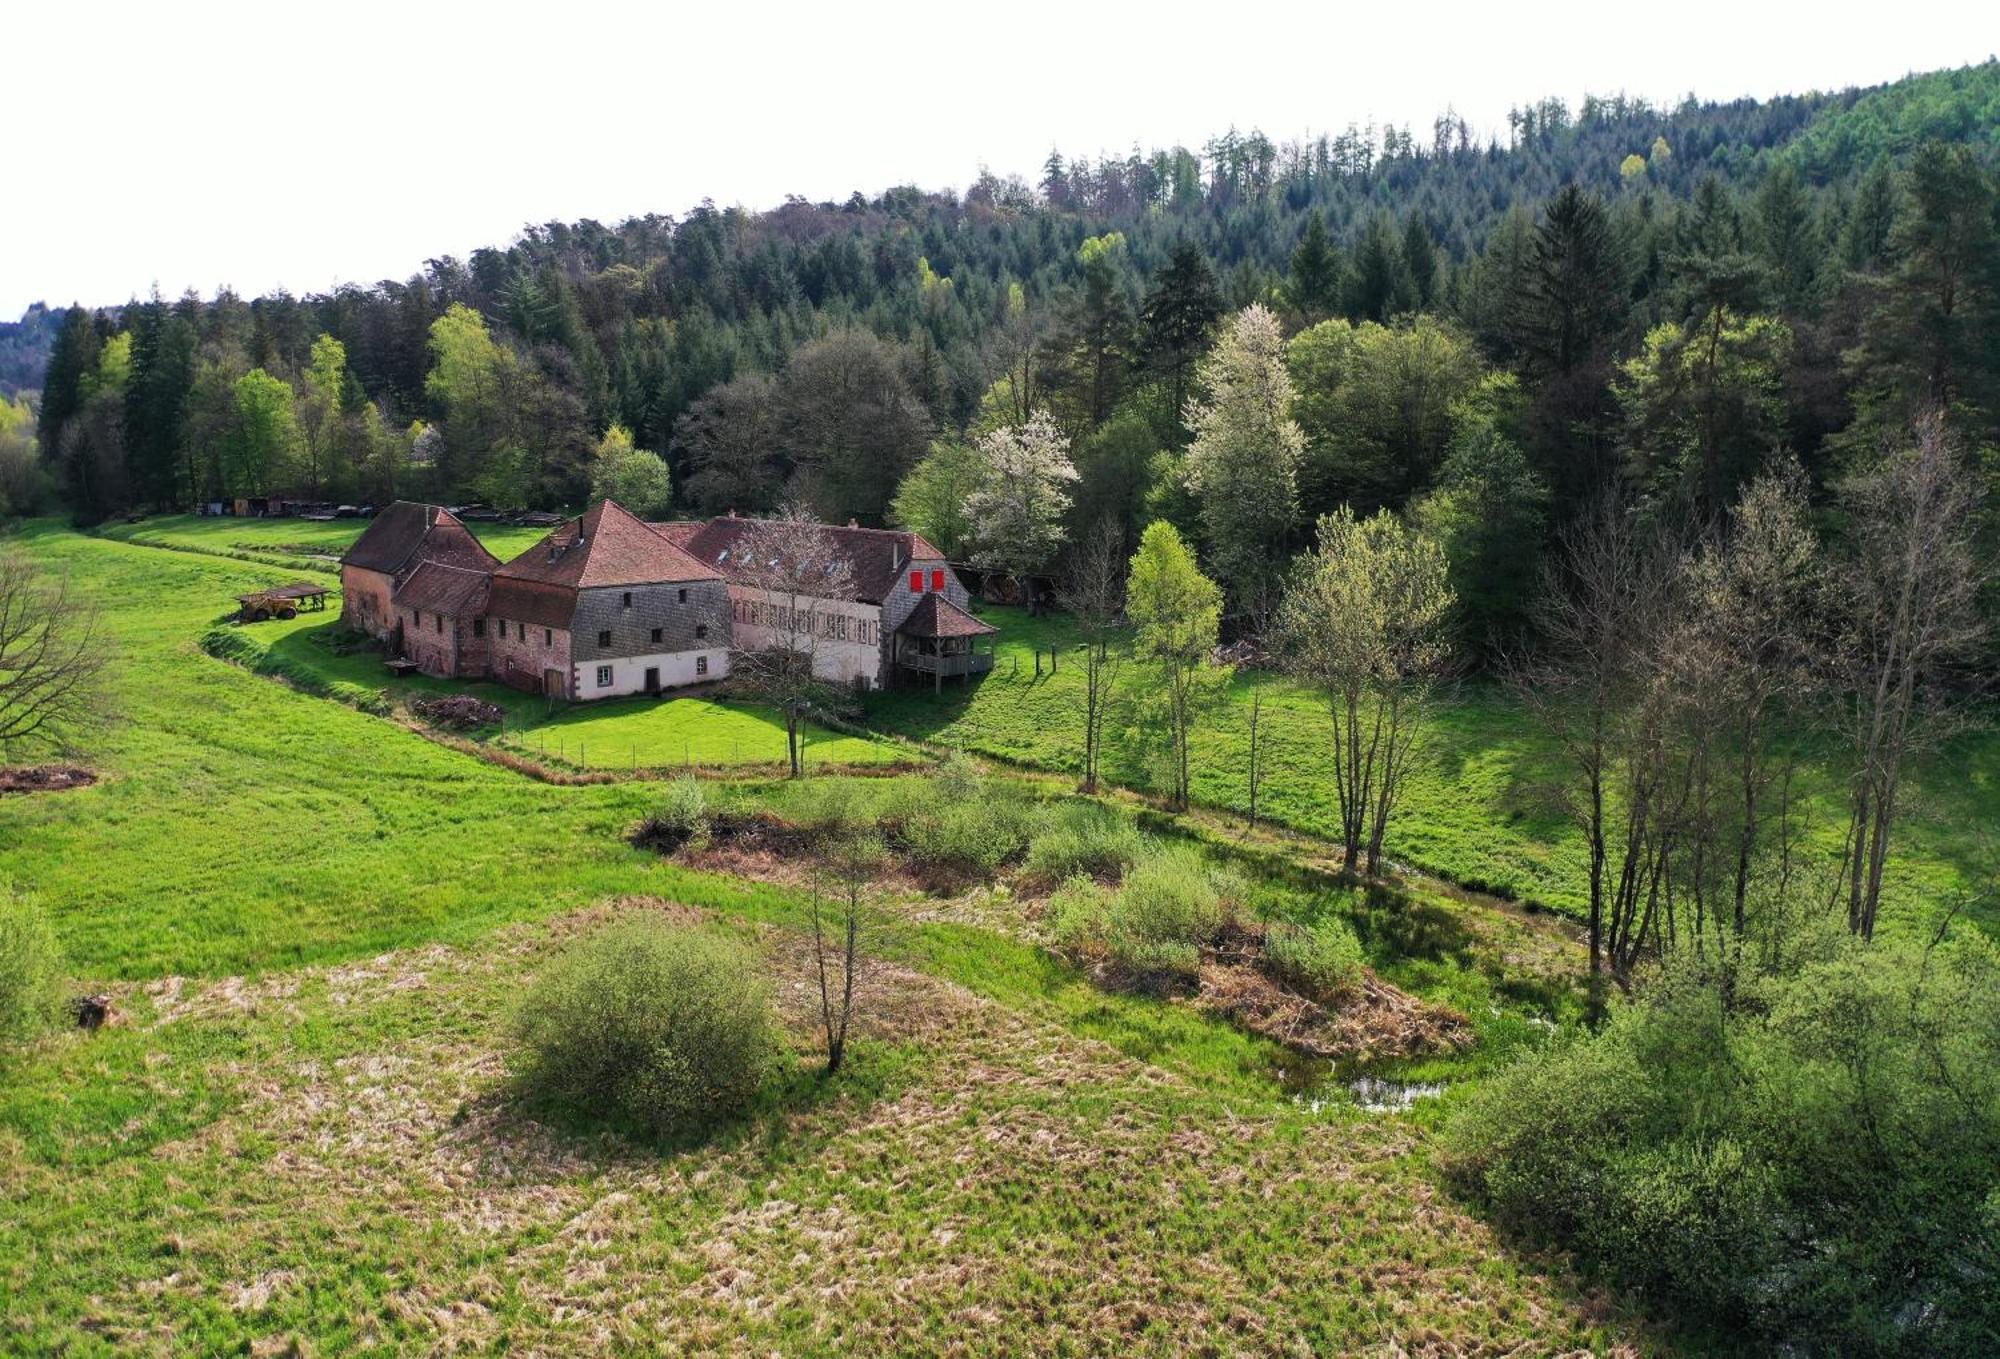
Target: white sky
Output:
[{"x": 258, "y": 145}]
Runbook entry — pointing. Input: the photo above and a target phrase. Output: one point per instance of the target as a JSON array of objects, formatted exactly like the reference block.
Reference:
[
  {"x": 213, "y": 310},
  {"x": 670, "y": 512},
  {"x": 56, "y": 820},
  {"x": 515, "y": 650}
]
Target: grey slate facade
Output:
[{"x": 603, "y": 609}]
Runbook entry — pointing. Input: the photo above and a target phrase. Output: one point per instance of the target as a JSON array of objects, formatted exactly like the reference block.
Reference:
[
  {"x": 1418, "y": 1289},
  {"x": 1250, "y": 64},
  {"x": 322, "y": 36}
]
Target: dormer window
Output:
[
  {"x": 683, "y": 595},
  {"x": 937, "y": 581},
  {"x": 700, "y": 630},
  {"x": 604, "y": 638},
  {"x": 627, "y": 601},
  {"x": 916, "y": 582}
]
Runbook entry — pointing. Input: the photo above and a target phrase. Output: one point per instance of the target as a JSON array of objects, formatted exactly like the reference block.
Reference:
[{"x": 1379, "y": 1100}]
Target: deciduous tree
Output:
[
  {"x": 1243, "y": 462},
  {"x": 1175, "y": 610}
]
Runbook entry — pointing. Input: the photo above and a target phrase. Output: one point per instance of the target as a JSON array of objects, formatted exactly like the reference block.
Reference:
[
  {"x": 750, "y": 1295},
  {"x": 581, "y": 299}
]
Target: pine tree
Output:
[
  {"x": 1379, "y": 285},
  {"x": 1181, "y": 310},
  {"x": 72, "y": 361},
  {"x": 1787, "y": 240},
  {"x": 1420, "y": 261},
  {"x": 1314, "y": 285}
]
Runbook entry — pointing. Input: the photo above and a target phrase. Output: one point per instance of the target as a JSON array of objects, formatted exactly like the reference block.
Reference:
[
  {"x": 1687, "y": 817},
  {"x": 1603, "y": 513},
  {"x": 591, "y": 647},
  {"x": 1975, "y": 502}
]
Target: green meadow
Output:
[
  {"x": 297, "y": 1135},
  {"x": 1482, "y": 807}
]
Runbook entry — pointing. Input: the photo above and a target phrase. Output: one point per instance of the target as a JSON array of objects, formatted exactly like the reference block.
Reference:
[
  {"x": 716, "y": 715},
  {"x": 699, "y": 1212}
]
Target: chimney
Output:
[
  {"x": 854, "y": 523},
  {"x": 732, "y": 511}
]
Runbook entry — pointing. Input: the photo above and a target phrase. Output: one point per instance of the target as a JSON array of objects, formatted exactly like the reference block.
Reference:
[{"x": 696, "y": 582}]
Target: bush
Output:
[
  {"x": 1083, "y": 838},
  {"x": 1321, "y": 960},
  {"x": 681, "y": 818},
  {"x": 1078, "y": 917},
  {"x": 1171, "y": 905},
  {"x": 1812, "y": 1158},
  {"x": 31, "y": 966},
  {"x": 667, "y": 1029},
  {"x": 954, "y": 824}
]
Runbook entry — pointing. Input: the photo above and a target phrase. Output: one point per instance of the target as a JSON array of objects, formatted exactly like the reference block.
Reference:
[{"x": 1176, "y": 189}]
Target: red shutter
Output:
[
  {"x": 937, "y": 581},
  {"x": 916, "y": 582}
]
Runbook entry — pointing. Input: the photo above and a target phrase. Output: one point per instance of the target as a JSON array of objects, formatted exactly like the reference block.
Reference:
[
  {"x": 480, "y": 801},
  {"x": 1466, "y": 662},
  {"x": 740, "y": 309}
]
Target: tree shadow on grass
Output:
[{"x": 526, "y": 1134}]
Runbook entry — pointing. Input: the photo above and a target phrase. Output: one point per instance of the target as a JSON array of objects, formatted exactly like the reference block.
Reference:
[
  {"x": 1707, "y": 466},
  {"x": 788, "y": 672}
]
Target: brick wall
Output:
[
  {"x": 519, "y": 659},
  {"x": 364, "y": 601}
]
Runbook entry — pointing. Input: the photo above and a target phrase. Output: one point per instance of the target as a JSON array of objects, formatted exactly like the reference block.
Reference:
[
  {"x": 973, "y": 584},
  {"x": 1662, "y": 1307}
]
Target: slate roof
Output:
[
  {"x": 436, "y": 587},
  {"x": 531, "y": 601},
  {"x": 876, "y": 557},
  {"x": 606, "y": 545},
  {"x": 936, "y": 616},
  {"x": 407, "y": 532}
]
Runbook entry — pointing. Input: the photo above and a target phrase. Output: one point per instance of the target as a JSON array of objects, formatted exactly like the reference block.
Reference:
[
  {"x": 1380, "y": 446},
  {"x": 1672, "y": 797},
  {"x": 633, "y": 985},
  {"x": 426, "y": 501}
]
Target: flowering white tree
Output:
[
  {"x": 1243, "y": 466},
  {"x": 1017, "y": 513}
]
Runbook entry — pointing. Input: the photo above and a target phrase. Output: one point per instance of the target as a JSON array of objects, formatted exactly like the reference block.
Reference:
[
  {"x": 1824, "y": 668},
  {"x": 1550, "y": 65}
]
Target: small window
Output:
[
  {"x": 628, "y": 599},
  {"x": 604, "y": 677},
  {"x": 701, "y": 665},
  {"x": 548, "y": 637},
  {"x": 683, "y": 596},
  {"x": 479, "y": 627},
  {"x": 916, "y": 582},
  {"x": 656, "y": 634},
  {"x": 700, "y": 630},
  {"x": 937, "y": 581},
  {"x": 604, "y": 638}
]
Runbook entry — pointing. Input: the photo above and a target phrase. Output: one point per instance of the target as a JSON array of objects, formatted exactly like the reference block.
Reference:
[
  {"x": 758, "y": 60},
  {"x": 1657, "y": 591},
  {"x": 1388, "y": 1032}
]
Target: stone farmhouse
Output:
[
  {"x": 608, "y": 605},
  {"x": 416, "y": 580},
  {"x": 907, "y": 613}
]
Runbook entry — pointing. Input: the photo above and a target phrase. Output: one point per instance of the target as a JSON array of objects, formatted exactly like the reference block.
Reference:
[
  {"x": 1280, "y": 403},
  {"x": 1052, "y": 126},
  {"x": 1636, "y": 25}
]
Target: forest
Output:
[{"x": 1659, "y": 297}]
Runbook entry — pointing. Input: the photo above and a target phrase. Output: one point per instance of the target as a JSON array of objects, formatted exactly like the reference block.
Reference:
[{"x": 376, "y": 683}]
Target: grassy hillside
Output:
[
  {"x": 326, "y": 1151},
  {"x": 1481, "y": 807}
]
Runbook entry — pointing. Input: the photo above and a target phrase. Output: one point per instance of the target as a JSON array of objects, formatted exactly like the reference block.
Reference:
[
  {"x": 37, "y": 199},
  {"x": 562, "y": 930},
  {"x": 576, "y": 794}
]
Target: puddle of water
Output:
[
  {"x": 1317, "y": 1085},
  {"x": 1385, "y": 1097}
]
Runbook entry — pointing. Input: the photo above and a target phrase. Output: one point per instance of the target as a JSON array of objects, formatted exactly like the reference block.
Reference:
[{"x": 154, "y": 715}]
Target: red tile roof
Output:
[
  {"x": 936, "y": 616},
  {"x": 607, "y": 545},
  {"x": 876, "y": 557},
  {"x": 407, "y": 532},
  {"x": 436, "y": 587}
]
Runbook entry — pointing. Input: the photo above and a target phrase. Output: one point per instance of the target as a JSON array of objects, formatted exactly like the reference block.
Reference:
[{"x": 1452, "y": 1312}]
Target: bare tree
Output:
[
  {"x": 850, "y": 853},
  {"x": 1753, "y": 600},
  {"x": 51, "y": 654},
  {"x": 1606, "y": 605},
  {"x": 796, "y": 569},
  {"x": 1908, "y": 591},
  {"x": 1094, "y": 595}
]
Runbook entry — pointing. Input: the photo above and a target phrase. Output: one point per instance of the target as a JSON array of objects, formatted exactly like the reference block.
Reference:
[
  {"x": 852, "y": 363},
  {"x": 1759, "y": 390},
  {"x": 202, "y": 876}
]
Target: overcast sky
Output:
[{"x": 273, "y": 144}]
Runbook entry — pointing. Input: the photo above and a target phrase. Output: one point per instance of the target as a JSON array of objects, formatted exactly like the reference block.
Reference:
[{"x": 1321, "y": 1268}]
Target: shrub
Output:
[
  {"x": 667, "y": 1029},
  {"x": 681, "y": 818},
  {"x": 1083, "y": 838},
  {"x": 954, "y": 824},
  {"x": 1078, "y": 916},
  {"x": 1321, "y": 960},
  {"x": 832, "y": 807},
  {"x": 966, "y": 839},
  {"x": 1171, "y": 905},
  {"x": 1813, "y": 1158},
  {"x": 31, "y": 968}
]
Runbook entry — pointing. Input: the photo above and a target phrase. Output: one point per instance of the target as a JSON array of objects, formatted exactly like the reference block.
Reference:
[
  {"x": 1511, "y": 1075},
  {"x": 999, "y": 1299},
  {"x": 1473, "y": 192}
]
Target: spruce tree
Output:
[
  {"x": 1313, "y": 287},
  {"x": 1181, "y": 310}
]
